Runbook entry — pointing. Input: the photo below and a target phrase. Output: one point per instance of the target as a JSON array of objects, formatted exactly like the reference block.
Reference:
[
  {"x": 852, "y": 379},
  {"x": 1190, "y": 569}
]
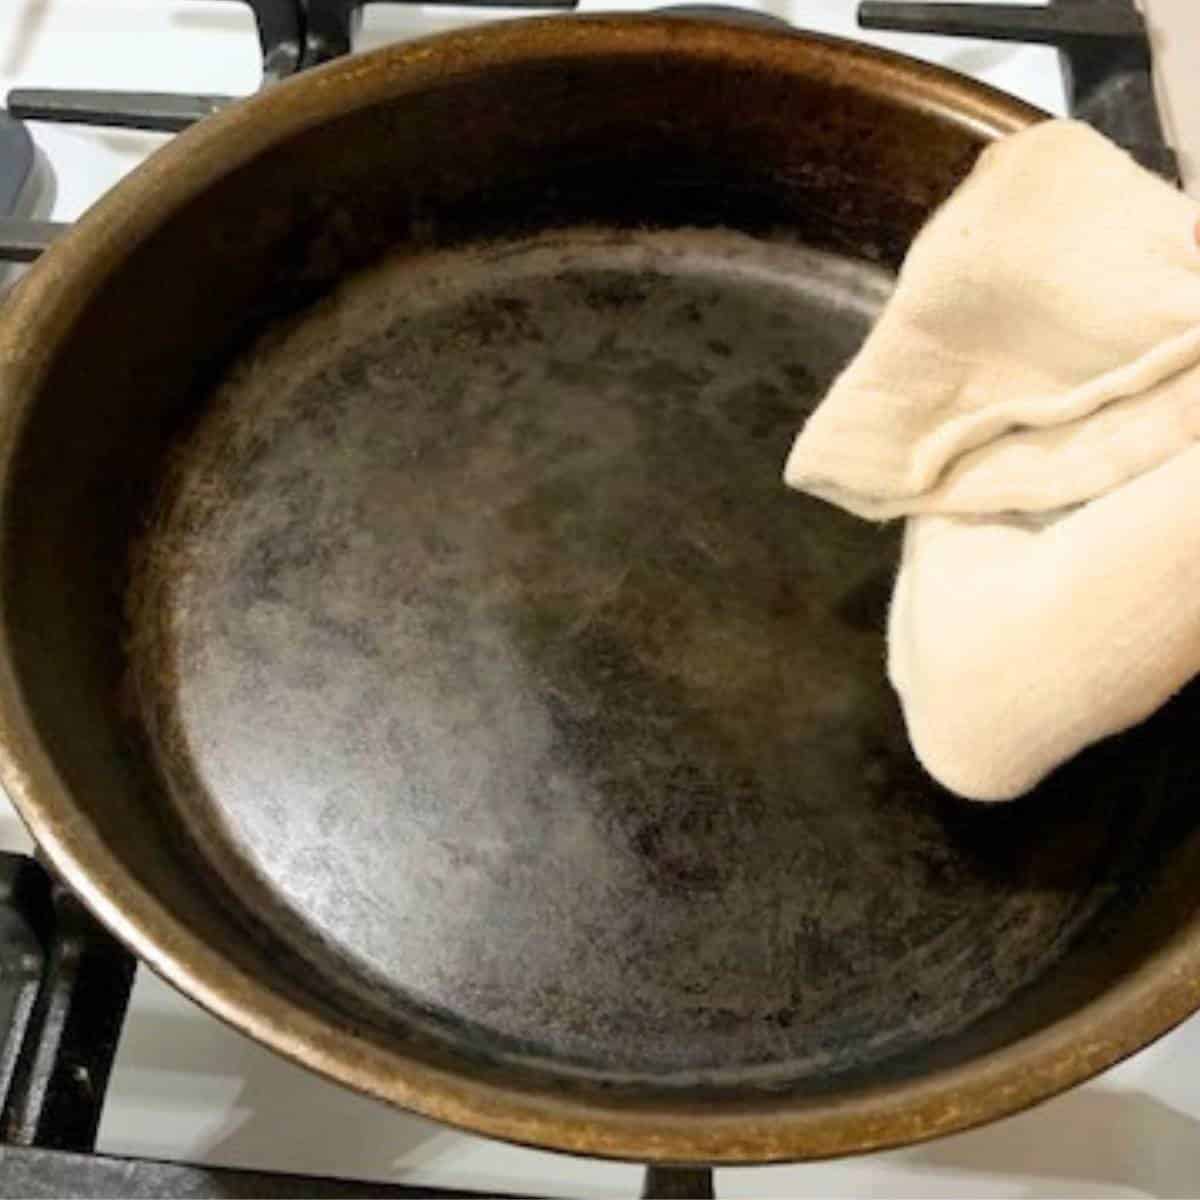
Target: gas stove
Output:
[{"x": 104, "y": 1087}]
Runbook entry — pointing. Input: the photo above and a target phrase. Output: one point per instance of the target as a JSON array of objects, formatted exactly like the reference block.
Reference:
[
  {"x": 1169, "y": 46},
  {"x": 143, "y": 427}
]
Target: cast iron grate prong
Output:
[
  {"x": 22, "y": 241},
  {"x": 1051, "y": 24},
  {"x": 279, "y": 26},
  {"x": 159, "y": 112}
]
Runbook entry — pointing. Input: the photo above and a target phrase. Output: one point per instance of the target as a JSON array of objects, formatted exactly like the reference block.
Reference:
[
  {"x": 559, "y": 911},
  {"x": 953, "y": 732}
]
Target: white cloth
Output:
[{"x": 1030, "y": 399}]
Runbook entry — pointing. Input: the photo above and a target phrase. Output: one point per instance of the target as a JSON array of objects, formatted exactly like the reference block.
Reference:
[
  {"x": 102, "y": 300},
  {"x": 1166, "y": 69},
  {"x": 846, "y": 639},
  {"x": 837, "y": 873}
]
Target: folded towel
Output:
[{"x": 1030, "y": 399}]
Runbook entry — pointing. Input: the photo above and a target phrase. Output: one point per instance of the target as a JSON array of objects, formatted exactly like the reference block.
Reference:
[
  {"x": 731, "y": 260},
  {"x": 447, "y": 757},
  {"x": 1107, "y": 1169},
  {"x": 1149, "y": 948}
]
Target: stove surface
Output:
[{"x": 187, "y": 1088}]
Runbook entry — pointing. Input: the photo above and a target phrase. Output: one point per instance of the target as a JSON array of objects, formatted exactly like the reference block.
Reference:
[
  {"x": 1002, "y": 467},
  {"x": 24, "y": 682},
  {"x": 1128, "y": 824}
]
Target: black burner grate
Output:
[{"x": 26, "y": 186}]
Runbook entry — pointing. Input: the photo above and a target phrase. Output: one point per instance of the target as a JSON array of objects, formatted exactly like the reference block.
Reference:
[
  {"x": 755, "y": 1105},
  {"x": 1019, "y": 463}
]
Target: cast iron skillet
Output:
[{"x": 409, "y": 648}]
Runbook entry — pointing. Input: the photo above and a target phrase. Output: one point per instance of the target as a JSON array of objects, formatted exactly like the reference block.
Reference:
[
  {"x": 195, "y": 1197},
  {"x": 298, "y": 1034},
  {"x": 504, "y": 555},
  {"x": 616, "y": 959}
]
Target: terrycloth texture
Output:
[
  {"x": 1031, "y": 356},
  {"x": 1030, "y": 399}
]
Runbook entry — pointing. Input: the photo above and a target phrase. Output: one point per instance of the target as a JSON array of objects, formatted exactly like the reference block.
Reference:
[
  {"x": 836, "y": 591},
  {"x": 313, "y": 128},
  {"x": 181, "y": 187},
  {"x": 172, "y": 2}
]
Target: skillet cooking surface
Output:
[{"x": 490, "y": 665}]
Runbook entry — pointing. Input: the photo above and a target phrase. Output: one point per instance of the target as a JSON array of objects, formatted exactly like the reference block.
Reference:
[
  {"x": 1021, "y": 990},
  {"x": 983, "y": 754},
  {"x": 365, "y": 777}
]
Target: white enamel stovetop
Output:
[{"x": 186, "y": 1087}]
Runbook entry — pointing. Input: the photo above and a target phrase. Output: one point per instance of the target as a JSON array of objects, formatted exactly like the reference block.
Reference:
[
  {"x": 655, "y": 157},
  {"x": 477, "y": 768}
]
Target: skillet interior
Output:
[{"x": 490, "y": 665}]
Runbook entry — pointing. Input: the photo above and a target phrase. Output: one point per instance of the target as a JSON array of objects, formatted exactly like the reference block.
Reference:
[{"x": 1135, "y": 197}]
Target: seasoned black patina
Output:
[{"x": 504, "y": 668}]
